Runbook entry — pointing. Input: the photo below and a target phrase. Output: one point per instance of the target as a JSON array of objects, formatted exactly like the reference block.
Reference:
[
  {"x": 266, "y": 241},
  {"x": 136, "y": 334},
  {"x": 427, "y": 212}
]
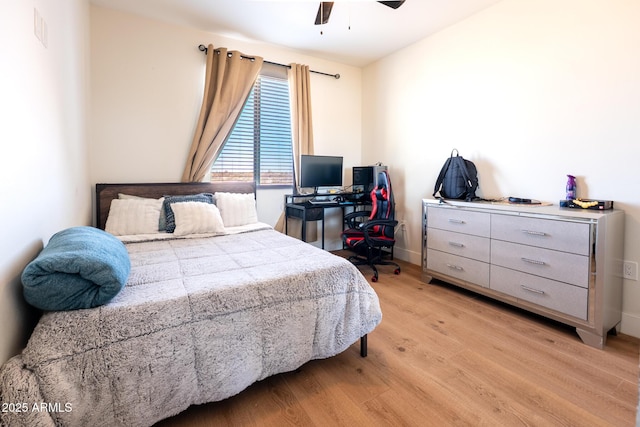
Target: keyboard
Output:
[{"x": 323, "y": 202}]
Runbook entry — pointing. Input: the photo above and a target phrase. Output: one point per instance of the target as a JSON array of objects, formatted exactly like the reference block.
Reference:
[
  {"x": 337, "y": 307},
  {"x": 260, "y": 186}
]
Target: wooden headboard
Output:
[{"x": 105, "y": 193}]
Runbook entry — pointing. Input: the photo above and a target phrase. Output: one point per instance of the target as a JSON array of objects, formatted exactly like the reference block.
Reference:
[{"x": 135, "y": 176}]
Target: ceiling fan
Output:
[{"x": 324, "y": 10}]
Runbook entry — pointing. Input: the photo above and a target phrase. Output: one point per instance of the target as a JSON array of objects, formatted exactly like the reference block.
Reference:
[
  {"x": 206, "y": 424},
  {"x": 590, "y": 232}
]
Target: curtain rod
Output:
[{"x": 204, "y": 49}]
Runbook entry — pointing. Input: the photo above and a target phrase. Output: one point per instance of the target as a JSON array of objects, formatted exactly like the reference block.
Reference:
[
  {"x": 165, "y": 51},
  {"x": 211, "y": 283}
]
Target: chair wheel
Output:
[{"x": 396, "y": 271}]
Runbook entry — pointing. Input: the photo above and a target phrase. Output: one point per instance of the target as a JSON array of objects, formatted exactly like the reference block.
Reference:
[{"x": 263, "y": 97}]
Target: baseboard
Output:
[
  {"x": 630, "y": 325},
  {"x": 407, "y": 255}
]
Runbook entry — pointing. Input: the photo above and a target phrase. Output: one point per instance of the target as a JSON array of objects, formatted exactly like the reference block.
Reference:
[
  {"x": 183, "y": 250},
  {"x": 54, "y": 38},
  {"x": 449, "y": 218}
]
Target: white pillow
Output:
[
  {"x": 196, "y": 217},
  {"x": 133, "y": 216},
  {"x": 237, "y": 208}
]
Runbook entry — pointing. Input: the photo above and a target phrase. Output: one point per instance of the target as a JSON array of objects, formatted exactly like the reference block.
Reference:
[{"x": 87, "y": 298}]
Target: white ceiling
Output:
[{"x": 375, "y": 30}]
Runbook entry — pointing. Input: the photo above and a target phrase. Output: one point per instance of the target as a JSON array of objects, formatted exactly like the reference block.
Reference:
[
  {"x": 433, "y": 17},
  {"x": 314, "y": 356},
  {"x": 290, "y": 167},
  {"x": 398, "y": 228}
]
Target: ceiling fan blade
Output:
[
  {"x": 392, "y": 4},
  {"x": 324, "y": 10}
]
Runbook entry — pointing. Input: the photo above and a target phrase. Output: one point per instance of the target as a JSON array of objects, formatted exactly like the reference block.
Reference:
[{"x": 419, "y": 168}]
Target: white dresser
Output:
[{"x": 565, "y": 264}]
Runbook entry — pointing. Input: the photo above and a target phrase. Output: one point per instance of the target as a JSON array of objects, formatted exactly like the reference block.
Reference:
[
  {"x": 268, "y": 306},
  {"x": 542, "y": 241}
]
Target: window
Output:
[{"x": 259, "y": 147}]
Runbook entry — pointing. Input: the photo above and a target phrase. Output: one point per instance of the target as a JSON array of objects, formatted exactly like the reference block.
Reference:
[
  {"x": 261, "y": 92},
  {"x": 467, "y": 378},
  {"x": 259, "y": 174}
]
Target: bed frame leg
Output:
[{"x": 363, "y": 346}]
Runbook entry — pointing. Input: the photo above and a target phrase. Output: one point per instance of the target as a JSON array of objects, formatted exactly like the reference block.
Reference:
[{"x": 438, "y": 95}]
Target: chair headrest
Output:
[{"x": 383, "y": 179}]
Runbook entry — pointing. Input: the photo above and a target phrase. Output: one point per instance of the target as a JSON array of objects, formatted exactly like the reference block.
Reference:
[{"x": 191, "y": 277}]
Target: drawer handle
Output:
[
  {"x": 456, "y": 221},
  {"x": 535, "y": 291},
  {"x": 455, "y": 267},
  {"x": 534, "y": 233},
  {"x": 533, "y": 261},
  {"x": 457, "y": 245}
]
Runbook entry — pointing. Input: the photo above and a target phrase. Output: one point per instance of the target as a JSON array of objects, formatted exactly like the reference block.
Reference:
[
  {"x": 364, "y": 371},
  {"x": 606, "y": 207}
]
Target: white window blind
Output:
[{"x": 259, "y": 146}]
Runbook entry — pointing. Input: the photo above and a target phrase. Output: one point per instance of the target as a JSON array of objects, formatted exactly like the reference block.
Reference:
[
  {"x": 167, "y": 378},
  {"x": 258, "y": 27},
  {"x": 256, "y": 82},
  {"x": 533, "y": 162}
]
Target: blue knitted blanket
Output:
[{"x": 80, "y": 267}]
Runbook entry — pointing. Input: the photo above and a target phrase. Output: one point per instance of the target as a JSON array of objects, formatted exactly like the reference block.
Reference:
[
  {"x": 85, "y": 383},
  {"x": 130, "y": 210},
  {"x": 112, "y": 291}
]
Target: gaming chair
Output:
[{"x": 369, "y": 236}]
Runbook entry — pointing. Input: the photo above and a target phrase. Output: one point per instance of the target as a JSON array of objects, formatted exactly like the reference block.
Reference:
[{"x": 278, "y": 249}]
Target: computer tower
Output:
[{"x": 365, "y": 178}]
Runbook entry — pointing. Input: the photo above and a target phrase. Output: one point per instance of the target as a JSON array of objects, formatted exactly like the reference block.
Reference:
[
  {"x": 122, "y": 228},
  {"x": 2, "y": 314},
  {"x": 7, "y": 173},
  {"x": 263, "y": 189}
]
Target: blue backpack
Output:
[{"x": 458, "y": 179}]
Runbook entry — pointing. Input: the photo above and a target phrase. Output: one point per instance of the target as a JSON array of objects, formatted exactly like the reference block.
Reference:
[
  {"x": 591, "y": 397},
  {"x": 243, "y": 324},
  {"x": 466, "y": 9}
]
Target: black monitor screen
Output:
[{"x": 320, "y": 171}]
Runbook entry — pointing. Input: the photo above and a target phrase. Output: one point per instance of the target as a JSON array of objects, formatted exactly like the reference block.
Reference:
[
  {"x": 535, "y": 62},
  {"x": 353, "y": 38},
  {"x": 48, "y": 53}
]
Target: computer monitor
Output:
[
  {"x": 365, "y": 178},
  {"x": 320, "y": 171}
]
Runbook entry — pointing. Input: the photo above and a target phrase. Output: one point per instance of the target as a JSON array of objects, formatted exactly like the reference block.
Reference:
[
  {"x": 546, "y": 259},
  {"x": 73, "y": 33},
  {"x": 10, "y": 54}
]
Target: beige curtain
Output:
[
  {"x": 229, "y": 79},
  {"x": 302, "y": 133},
  {"x": 301, "y": 121}
]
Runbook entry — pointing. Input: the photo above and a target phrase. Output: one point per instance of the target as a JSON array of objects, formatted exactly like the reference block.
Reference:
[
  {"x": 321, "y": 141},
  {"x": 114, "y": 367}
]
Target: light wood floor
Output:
[{"x": 443, "y": 356}]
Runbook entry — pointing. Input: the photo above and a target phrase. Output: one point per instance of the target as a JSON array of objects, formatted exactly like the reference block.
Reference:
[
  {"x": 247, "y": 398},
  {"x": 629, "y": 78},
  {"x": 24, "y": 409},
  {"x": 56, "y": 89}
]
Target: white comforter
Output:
[{"x": 199, "y": 320}]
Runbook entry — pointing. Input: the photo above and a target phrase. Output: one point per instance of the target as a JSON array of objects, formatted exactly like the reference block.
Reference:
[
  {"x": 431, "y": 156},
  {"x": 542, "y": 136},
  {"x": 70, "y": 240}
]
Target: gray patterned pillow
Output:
[{"x": 168, "y": 212}]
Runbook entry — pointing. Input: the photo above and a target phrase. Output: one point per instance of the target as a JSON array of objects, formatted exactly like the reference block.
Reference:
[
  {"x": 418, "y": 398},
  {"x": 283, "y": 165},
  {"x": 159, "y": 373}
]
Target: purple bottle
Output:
[{"x": 571, "y": 187}]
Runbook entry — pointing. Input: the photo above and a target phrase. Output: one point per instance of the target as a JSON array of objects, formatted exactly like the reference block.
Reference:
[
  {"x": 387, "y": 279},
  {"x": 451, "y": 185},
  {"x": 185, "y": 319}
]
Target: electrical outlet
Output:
[{"x": 630, "y": 270}]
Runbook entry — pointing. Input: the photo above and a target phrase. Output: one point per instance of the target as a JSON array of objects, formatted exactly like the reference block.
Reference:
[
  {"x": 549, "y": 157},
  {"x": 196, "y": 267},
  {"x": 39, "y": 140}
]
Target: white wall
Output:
[
  {"x": 147, "y": 82},
  {"x": 528, "y": 90},
  {"x": 44, "y": 185}
]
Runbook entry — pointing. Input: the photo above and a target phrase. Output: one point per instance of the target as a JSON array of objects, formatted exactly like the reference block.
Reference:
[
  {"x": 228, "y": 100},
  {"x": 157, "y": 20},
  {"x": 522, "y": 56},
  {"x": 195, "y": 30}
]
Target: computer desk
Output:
[{"x": 299, "y": 206}]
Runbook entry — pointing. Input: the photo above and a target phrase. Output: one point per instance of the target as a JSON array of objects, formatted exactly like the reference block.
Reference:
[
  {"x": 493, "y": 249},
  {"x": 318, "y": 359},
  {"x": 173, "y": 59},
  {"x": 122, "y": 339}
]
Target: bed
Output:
[{"x": 201, "y": 317}]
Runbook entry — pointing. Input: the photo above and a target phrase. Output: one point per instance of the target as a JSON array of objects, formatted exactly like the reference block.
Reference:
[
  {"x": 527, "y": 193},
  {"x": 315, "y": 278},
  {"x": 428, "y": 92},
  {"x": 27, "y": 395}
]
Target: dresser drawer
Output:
[
  {"x": 459, "y": 220},
  {"x": 469, "y": 270},
  {"x": 465, "y": 245},
  {"x": 562, "y": 297},
  {"x": 555, "y": 265},
  {"x": 563, "y": 236}
]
